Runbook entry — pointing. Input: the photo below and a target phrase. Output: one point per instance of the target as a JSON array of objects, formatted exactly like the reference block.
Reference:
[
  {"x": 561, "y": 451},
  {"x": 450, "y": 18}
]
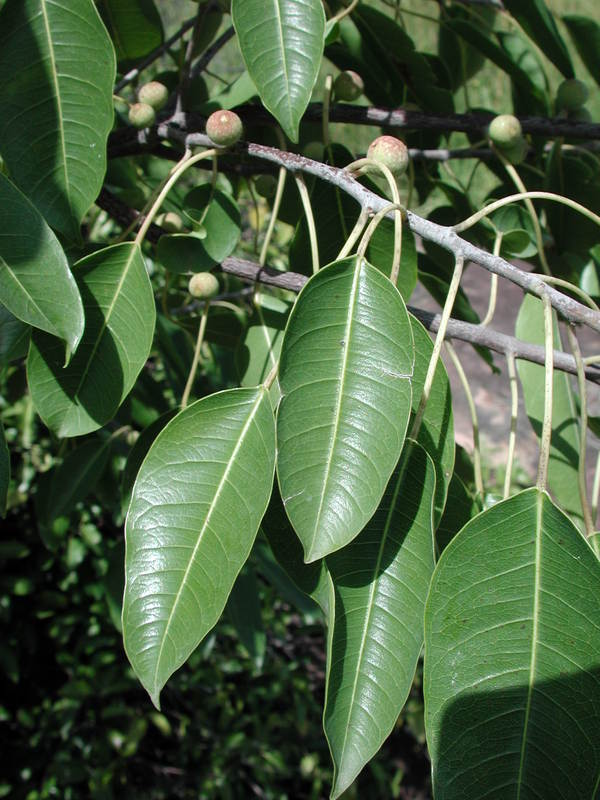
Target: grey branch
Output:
[
  {"x": 571, "y": 310},
  {"x": 293, "y": 281},
  {"x": 464, "y": 331}
]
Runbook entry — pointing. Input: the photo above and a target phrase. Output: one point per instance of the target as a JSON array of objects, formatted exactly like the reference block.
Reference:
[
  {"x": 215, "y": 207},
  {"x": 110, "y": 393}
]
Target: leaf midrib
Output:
[
  {"x": 534, "y": 635},
  {"x": 57, "y": 91},
  {"x": 343, "y": 373},
  {"x": 374, "y": 586},
  {"x": 203, "y": 530}
]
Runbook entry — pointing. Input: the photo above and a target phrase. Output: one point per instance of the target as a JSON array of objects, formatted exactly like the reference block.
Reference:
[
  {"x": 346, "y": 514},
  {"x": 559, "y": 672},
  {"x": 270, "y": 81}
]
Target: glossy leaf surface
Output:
[
  {"x": 512, "y": 672},
  {"x": 345, "y": 379},
  {"x": 120, "y": 315},
  {"x": 564, "y": 451},
  {"x": 195, "y": 510},
  {"x": 282, "y": 45},
  {"x": 36, "y": 284},
  {"x": 380, "y": 584},
  {"x": 56, "y": 110}
]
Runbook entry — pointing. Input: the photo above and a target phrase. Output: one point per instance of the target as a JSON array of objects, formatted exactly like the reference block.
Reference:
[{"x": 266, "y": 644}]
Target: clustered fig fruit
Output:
[
  {"x": 265, "y": 186},
  {"x": 203, "y": 285},
  {"x": 348, "y": 85},
  {"x": 155, "y": 94},
  {"x": 224, "y": 128},
  {"x": 390, "y": 152},
  {"x": 506, "y": 134},
  {"x": 141, "y": 115},
  {"x": 571, "y": 95}
]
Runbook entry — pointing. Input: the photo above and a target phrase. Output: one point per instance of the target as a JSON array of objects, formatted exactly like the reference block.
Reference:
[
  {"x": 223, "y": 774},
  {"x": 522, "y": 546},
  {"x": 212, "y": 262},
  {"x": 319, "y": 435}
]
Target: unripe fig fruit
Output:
[
  {"x": 155, "y": 94},
  {"x": 348, "y": 85},
  {"x": 505, "y": 131},
  {"x": 170, "y": 222},
  {"x": 265, "y": 185},
  {"x": 224, "y": 128},
  {"x": 141, "y": 115},
  {"x": 571, "y": 95},
  {"x": 203, "y": 285},
  {"x": 390, "y": 152},
  {"x": 517, "y": 152}
]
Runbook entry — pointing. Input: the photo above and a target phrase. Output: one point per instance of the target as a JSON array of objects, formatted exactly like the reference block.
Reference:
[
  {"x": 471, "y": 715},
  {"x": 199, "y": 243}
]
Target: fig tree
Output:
[
  {"x": 203, "y": 285},
  {"x": 141, "y": 115},
  {"x": 390, "y": 152},
  {"x": 155, "y": 94},
  {"x": 224, "y": 128}
]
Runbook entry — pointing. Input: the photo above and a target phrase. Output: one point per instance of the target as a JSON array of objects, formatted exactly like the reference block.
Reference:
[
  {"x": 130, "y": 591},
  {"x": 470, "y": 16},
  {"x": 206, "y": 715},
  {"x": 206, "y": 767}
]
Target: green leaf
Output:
[
  {"x": 120, "y": 315},
  {"x": 345, "y": 379},
  {"x": 4, "y": 471},
  {"x": 511, "y": 673},
  {"x": 436, "y": 435},
  {"x": 282, "y": 581},
  {"x": 36, "y": 284},
  {"x": 195, "y": 510},
  {"x": 56, "y": 110},
  {"x": 243, "y": 608},
  {"x": 259, "y": 349},
  {"x": 70, "y": 482},
  {"x": 380, "y": 584},
  {"x": 134, "y": 25},
  {"x": 538, "y": 23},
  {"x": 585, "y": 34},
  {"x": 282, "y": 46},
  {"x": 14, "y": 337},
  {"x": 564, "y": 451}
]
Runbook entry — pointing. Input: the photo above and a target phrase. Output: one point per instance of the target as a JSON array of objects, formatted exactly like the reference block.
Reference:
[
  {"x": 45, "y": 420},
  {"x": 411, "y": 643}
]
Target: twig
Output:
[
  {"x": 211, "y": 52},
  {"x": 294, "y": 281}
]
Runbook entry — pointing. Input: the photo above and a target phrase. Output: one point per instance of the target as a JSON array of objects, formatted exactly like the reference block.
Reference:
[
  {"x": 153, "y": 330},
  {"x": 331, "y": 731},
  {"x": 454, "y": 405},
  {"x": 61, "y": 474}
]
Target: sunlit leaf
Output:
[
  {"x": 195, "y": 510},
  {"x": 345, "y": 379},
  {"x": 282, "y": 45},
  {"x": 537, "y": 21},
  {"x": 56, "y": 110}
]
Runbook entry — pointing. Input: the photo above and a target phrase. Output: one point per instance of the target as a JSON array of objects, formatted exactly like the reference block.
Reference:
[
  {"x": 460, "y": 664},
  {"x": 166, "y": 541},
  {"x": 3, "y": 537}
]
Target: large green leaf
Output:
[
  {"x": 120, "y": 315},
  {"x": 564, "y": 452},
  {"x": 512, "y": 664},
  {"x": 4, "y": 471},
  {"x": 538, "y": 23},
  {"x": 282, "y": 45},
  {"x": 195, "y": 510},
  {"x": 57, "y": 69},
  {"x": 380, "y": 584},
  {"x": 135, "y": 27},
  {"x": 345, "y": 378},
  {"x": 436, "y": 434},
  {"x": 36, "y": 284},
  {"x": 585, "y": 33}
]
